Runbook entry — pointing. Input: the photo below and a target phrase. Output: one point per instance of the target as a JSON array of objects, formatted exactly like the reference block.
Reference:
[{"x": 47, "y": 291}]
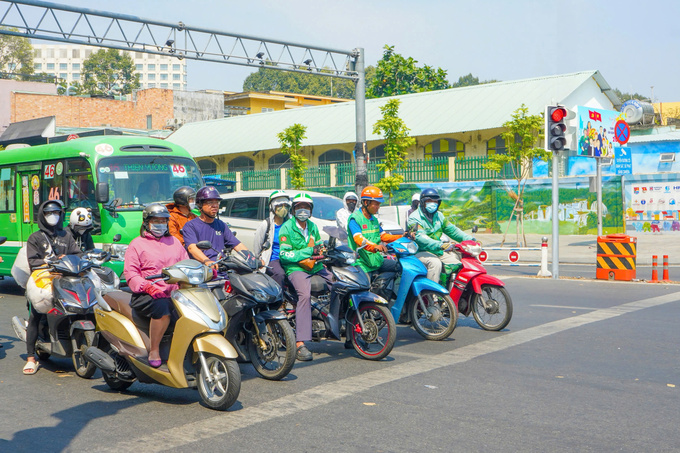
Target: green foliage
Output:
[
  {"x": 397, "y": 143},
  {"x": 398, "y": 75},
  {"x": 291, "y": 144},
  {"x": 76, "y": 88},
  {"x": 268, "y": 79},
  {"x": 628, "y": 96},
  {"x": 16, "y": 53},
  {"x": 470, "y": 80},
  {"x": 108, "y": 71}
]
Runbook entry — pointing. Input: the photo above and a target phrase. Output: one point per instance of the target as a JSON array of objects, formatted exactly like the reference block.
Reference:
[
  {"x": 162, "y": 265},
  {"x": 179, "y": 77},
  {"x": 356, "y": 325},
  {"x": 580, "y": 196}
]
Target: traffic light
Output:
[{"x": 555, "y": 128}]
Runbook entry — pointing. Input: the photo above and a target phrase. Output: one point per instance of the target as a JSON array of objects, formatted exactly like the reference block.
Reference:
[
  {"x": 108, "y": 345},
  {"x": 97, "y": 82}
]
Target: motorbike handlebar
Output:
[{"x": 154, "y": 277}]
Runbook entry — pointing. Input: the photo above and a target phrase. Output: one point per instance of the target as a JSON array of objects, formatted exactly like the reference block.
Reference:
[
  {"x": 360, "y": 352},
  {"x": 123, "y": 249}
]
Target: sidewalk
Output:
[{"x": 583, "y": 249}]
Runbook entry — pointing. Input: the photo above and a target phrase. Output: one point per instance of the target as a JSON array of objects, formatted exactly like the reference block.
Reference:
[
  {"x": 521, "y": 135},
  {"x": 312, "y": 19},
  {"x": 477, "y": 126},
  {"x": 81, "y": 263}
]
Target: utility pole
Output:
[{"x": 360, "y": 153}]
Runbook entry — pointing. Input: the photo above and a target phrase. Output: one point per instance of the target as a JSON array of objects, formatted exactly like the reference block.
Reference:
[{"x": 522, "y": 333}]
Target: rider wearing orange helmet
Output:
[{"x": 364, "y": 230}]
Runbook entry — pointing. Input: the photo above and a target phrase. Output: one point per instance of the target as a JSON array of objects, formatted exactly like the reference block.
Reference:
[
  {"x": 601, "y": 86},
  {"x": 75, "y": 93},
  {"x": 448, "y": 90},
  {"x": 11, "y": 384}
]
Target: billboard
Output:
[{"x": 599, "y": 131}]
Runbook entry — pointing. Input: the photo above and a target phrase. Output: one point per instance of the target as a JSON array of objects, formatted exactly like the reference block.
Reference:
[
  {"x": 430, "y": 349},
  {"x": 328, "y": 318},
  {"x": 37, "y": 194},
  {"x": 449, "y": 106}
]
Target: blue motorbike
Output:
[{"x": 413, "y": 299}]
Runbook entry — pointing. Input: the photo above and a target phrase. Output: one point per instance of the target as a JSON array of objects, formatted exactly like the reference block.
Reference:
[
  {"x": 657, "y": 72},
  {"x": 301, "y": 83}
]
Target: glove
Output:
[
  {"x": 319, "y": 249},
  {"x": 447, "y": 246},
  {"x": 155, "y": 292}
]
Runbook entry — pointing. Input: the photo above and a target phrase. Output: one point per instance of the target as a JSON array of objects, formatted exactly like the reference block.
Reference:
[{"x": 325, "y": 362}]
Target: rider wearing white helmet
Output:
[
  {"x": 80, "y": 225},
  {"x": 268, "y": 232}
]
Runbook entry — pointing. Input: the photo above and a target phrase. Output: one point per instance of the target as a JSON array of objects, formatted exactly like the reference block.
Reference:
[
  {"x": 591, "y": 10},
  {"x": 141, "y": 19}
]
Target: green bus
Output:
[{"x": 115, "y": 176}]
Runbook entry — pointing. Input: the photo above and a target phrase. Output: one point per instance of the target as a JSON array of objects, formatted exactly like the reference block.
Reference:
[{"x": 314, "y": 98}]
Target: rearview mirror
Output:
[
  {"x": 475, "y": 229},
  {"x": 102, "y": 192},
  {"x": 117, "y": 238},
  {"x": 204, "y": 245},
  {"x": 266, "y": 246}
]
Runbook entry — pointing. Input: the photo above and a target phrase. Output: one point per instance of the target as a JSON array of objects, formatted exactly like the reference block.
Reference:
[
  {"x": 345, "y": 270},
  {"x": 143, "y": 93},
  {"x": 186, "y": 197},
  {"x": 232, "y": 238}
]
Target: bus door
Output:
[{"x": 28, "y": 185}]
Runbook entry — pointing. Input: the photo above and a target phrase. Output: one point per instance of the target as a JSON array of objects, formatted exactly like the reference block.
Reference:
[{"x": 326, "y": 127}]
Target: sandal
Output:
[{"x": 31, "y": 368}]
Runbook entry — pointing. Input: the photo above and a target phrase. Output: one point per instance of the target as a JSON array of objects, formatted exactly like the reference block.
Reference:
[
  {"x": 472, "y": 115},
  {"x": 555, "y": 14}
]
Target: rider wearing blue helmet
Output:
[{"x": 432, "y": 251}]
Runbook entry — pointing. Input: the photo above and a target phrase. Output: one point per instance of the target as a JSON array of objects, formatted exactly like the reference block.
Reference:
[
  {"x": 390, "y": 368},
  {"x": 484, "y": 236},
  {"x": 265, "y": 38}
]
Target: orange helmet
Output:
[{"x": 372, "y": 193}]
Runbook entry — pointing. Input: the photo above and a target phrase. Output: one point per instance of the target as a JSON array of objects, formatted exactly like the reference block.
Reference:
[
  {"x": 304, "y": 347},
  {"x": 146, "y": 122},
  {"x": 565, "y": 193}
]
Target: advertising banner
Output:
[{"x": 600, "y": 131}]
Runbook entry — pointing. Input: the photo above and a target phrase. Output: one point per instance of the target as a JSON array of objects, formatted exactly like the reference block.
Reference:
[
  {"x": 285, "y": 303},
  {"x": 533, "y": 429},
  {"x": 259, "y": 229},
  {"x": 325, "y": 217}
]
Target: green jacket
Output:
[
  {"x": 296, "y": 250},
  {"x": 430, "y": 231},
  {"x": 370, "y": 230}
]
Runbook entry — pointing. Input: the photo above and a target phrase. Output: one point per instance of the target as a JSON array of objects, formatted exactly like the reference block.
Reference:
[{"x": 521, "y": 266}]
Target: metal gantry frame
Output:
[{"x": 54, "y": 22}]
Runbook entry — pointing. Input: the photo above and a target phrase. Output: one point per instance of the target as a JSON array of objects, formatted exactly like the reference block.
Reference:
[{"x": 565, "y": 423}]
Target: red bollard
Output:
[
  {"x": 665, "y": 268},
  {"x": 655, "y": 272}
]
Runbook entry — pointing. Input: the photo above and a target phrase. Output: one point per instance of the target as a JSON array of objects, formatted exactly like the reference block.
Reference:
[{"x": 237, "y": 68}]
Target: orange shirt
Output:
[{"x": 177, "y": 221}]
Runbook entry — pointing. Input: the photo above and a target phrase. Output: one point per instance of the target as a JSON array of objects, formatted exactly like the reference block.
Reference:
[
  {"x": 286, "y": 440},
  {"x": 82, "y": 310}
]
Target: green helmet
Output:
[
  {"x": 278, "y": 194},
  {"x": 303, "y": 198}
]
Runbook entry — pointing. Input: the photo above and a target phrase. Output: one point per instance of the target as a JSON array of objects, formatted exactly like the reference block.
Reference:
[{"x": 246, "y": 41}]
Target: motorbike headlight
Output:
[
  {"x": 412, "y": 247},
  {"x": 473, "y": 250},
  {"x": 349, "y": 257},
  {"x": 260, "y": 295},
  {"x": 195, "y": 275}
]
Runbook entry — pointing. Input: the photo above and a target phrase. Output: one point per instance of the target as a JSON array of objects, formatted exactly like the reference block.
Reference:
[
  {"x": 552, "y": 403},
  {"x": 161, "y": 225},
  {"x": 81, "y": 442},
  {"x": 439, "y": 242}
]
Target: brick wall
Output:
[{"x": 75, "y": 111}]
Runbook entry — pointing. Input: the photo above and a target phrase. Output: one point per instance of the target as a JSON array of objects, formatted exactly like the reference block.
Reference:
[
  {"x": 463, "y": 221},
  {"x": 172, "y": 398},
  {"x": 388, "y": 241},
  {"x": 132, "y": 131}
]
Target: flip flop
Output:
[{"x": 31, "y": 368}]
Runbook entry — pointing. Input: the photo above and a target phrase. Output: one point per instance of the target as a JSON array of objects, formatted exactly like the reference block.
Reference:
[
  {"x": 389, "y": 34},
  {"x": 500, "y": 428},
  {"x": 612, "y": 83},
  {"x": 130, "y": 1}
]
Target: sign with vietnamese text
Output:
[{"x": 623, "y": 161}]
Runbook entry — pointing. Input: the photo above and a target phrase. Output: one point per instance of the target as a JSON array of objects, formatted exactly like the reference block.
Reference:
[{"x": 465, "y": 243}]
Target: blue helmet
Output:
[{"x": 429, "y": 195}]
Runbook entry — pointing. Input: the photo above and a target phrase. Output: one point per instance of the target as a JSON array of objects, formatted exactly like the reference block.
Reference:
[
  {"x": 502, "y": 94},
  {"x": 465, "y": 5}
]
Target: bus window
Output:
[
  {"x": 80, "y": 186},
  {"x": 53, "y": 181},
  {"x": 7, "y": 199}
]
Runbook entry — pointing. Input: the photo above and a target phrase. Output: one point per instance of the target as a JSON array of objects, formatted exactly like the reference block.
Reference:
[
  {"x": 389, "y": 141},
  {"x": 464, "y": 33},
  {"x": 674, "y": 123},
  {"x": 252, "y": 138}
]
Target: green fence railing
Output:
[
  {"x": 314, "y": 177},
  {"x": 261, "y": 180},
  {"x": 471, "y": 169},
  {"x": 430, "y": 170}
]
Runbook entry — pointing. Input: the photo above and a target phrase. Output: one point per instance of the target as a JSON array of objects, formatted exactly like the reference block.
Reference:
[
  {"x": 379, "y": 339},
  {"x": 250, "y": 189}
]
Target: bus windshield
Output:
[{"x": 136, "y": 181}]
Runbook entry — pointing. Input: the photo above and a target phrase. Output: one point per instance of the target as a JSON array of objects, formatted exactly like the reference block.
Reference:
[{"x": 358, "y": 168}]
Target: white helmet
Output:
[
  {"x": 80, "y": 217},
  {"x": 416, "y": 197}
]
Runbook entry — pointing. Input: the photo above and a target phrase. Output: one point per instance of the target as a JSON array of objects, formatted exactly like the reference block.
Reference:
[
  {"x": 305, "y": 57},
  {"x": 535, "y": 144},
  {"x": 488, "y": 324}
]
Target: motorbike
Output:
[
  {"x": 69, "y": 327},
  {"x": 414, "y": 299},
  {"x": 194, "y": 350},
  {"x": 256, "y": 329},
  {"x": 106, "y": 279},
  {"x": 474, "y": 291},
  {"x": 349, "y": 308}
]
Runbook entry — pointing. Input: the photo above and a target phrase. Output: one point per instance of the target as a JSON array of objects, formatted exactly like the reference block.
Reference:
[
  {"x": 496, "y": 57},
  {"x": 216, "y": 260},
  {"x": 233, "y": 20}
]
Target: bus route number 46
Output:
[{"x": 179, "y": 171}]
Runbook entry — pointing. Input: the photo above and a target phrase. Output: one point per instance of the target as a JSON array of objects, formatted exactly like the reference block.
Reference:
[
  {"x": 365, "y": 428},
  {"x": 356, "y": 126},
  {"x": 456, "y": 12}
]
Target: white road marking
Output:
[
  {"x": 323, "y": 394},
  {"x": 568, "y": 307}
]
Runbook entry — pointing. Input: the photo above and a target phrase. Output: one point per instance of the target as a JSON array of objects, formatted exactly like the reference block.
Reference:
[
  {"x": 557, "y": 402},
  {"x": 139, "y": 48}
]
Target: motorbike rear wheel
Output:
[
  {"x": 275, "y": 361},
  {"x": 493, "y": 308},
  {"x": 81, "y": 341},
  {"x": 376, "y": 340},
  {"x": 439, "y": 319},
  {"x": 220, "y": 386}
]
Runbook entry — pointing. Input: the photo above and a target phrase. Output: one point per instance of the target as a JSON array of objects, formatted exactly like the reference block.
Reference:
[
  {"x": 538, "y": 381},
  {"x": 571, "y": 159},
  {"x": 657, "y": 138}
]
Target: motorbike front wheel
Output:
[
  {"x": 220, "y": 386},
  {"x": 438, "y": 319},
  {"x": 376, "y": 340},
  {"x": 82, "y": 339},
  {"x": 273, "y": 354},
  {"x": 493, "y": 308}
]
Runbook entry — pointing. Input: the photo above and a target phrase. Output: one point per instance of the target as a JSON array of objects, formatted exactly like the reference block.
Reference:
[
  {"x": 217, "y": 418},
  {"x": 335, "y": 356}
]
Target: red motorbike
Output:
[{"x": 474, "y": 291}]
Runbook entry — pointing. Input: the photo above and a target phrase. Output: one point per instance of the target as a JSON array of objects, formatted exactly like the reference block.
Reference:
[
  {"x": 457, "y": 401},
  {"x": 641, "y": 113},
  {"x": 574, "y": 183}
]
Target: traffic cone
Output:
[
  {"x": 665, "y": 268},
  {"x": 655, "y": 272}
]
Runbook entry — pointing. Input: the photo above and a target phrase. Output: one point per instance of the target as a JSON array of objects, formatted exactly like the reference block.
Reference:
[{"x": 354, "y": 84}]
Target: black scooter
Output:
[
  {"x": 70, "y": 326},
  {"x": 257, "y": 330},
  {"x": 349, "y": 308}
]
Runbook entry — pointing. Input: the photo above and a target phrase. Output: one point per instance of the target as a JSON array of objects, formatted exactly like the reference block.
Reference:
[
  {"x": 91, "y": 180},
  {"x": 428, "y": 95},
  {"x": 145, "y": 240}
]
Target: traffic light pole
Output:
[{"x": 555, "y": 215}]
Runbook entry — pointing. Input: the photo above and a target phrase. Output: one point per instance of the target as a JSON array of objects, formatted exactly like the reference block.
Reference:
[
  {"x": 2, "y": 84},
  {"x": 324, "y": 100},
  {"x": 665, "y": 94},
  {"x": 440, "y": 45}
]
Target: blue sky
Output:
[{"x": 633, "y": 43}]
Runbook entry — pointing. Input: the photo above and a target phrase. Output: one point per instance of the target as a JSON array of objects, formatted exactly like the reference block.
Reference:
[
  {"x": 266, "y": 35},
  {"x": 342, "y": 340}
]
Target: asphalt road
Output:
[{"x": 583, "y": 366}]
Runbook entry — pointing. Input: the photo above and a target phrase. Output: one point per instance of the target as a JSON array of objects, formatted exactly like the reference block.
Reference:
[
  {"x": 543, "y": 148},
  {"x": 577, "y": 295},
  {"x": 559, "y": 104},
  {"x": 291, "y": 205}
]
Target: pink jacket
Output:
[{"x": 148, "y": 255}]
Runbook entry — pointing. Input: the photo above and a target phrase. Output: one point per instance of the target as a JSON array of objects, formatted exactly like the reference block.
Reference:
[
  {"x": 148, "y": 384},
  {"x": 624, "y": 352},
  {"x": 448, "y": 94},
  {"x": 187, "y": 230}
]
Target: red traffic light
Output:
[{"x": 558, "y": 114}]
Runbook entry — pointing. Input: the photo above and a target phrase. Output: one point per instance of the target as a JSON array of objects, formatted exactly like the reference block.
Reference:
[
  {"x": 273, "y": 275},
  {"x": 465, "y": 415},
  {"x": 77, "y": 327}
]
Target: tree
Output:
[
  {"x": 291, "y": 144},
  {"x": 470, "y": 80},
  {"x": 267, "y": 78},
  {"x": 397, "y": 143},
  {"x": 523, "y": 131},
  {"x": 628, "y": 96},
  {"x": 398, "y": 75},
  {"x": 16, "y": 53},
  {"x": 77, "y": 88},
  {"x": 107, "y": 71}
]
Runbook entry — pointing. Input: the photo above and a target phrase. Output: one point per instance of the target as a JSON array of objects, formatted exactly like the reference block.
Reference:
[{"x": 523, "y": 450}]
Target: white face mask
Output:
[
  {"x": 52, "y": 219},
  {"x": 158, "y": 229},
  {"x": 192, "y": 206}
]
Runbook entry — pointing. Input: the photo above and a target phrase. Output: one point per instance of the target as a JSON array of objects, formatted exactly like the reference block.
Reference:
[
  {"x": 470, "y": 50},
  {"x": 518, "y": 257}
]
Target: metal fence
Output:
[
  {"x": 314, "y": 177},
  {"x": 430, "y": 170},
  {"x": 261, "y": 180},
  {"x": 471, "y": 169}
]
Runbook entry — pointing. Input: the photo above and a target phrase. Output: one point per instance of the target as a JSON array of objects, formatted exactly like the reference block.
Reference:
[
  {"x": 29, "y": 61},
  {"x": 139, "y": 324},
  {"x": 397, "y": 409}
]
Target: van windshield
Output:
[
  {"x": 139, "y": 180},
  {"x": 326, "y": 207}
]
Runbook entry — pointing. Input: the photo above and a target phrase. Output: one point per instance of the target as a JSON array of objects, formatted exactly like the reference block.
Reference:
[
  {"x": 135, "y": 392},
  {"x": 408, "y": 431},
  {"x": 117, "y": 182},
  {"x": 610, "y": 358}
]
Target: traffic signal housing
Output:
[{"x": 555, "y": 128}]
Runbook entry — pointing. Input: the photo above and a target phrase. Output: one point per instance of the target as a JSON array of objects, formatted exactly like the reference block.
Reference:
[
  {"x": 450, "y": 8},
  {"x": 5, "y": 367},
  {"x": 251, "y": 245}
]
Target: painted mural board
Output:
[
  {"x": 653, "y": 206},
  {"x": 597, "y": 133}
]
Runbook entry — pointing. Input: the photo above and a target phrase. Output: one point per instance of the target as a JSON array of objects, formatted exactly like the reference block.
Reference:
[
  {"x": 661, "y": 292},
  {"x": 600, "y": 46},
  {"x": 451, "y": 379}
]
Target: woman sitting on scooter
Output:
[
  {"x": 147, "y": 255},
  {"x": 51, "y": 238},
  {"x": 268, "y": 231}
]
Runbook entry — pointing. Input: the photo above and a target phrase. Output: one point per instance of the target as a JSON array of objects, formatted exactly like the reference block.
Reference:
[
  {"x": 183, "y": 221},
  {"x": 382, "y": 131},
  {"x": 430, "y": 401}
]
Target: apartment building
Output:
[{"x": 66, "y": 62}]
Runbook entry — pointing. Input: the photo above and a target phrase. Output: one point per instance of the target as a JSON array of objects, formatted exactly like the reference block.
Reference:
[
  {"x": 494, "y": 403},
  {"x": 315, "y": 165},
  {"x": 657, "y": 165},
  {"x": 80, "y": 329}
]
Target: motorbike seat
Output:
[
  {"x": 318, "y": 286},
  {"x": 119, "y": 301}
]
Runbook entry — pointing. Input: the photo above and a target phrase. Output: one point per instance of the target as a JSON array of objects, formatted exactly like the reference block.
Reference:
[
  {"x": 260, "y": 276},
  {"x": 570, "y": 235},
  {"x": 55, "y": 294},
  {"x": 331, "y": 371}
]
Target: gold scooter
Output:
[{"x": 195, "y": 352}]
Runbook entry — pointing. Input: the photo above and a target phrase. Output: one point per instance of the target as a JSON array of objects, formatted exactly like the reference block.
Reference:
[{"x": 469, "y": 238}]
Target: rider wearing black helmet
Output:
[
  {"x": 180, "y": 211},
  {"x": 432, "y": 251},
  {"x": 147, "y": 255},
  {"x": 207, "y": 227}
]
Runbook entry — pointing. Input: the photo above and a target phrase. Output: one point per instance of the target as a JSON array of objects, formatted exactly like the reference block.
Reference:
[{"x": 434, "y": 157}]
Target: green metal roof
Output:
[{"x": 449, "y": 111}]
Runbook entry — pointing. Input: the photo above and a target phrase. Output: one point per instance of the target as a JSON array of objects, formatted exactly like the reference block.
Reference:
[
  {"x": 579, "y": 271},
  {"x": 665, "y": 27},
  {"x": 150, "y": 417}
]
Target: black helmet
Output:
[
  {"x": 206, "y": 193},
  {"x": 154, "y": 210},
  {"x": 53, "y": 205},
  {"x": 183, "y": 195},
  {"x": 429, "y": 195}
]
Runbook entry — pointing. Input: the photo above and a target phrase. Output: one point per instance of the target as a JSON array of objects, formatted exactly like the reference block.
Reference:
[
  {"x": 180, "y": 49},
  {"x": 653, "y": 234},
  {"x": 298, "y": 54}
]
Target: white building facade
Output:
[{"x": 66, "y": 63}]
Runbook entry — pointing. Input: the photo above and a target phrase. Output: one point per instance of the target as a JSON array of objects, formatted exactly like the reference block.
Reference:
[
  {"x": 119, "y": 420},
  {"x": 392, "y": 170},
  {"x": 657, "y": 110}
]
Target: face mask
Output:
[
  {"x": 351, "y": 205},
  {"x": 192, "y": 206},
  {"x": 303, "y": 214},
  {"x": 281, "y": 211},
  {"x": 431, "y": 207},
  {"x": 158, "y": 229},
  {"x": 52, "y": 219}
]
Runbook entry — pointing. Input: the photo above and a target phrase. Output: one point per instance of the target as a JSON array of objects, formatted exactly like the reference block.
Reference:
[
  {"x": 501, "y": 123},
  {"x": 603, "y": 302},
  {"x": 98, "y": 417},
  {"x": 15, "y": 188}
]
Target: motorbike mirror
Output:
[
  {"x": 331, "y": 242},
  {"x": 204, "y": 245},
  {"x": 266, "y": 246},
  {"x": 117, "y": 238},
  {"x": 475, "y": 229}
]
